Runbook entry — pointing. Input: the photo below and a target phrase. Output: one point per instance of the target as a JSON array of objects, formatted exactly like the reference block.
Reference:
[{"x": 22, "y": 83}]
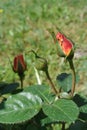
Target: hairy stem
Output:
[
  {"x": 73, "y": 76},
  {"x": 51, "y": 83}
]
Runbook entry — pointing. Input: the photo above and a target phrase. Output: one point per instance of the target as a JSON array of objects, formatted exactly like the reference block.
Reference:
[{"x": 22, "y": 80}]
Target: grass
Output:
[{"x": 23, "y": 26}]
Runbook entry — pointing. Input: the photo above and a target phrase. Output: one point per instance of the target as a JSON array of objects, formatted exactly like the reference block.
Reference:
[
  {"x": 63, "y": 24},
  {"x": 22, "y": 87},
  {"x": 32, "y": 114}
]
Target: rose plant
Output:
[{"x": 44, "y": 107}]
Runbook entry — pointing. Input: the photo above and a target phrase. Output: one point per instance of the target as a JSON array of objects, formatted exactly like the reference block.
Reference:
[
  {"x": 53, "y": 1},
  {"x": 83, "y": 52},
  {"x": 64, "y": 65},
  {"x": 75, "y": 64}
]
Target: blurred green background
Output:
[{"x": 24, "y": 26}]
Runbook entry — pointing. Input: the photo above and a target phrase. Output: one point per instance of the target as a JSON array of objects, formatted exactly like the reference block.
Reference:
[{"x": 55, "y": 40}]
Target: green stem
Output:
[
  {"x": 50, "y": 81},
  {"x": 73, "y": 76},
  {"x": 21, "y": 80}
]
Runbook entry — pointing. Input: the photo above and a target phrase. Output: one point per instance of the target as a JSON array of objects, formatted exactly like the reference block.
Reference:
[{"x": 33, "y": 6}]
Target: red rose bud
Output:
[
  {"x": 65, "y": 46},
  {"x": 19, "y": 64}
]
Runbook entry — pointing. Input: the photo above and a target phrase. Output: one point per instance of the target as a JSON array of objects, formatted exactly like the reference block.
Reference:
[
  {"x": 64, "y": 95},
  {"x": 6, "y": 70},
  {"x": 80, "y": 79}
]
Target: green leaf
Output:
[
  {"x": 47, "y": 121},
  {"x": 83, "y": 113},
  {"x": 65, "y": 81},
  {"x": 42, "y": 91},
  {"x": 62, "y": 110},
  {"x": 84, "y": 108},
  {"x": 81, "y": 101},
  {"x": 19, "y": 108}
]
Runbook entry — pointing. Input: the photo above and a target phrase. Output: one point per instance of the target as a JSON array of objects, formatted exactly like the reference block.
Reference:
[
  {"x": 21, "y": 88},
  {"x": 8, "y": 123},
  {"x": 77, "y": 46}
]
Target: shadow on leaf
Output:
[
  {"x": 82, "y": 104},
  {"x": 78, "y": 125},
  {"x": 8, "y": 87},
  {"x": 65, "y": 81},
  {"x": 79, "y": 100}
]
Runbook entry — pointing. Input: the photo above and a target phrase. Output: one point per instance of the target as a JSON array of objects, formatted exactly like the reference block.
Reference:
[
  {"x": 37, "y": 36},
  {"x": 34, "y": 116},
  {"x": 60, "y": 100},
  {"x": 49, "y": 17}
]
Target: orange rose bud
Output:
[
  {"x": 19, "y": 64},
  {"x": 66, "y": 46}
]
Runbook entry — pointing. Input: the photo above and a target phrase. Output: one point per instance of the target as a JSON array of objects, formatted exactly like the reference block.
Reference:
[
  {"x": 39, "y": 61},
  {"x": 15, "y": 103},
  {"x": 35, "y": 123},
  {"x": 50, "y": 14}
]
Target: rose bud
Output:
[
  {"x": 19, "y": 65},
  {"x": 65, "y": 46},
  {"x": 41, "y": 63}
]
